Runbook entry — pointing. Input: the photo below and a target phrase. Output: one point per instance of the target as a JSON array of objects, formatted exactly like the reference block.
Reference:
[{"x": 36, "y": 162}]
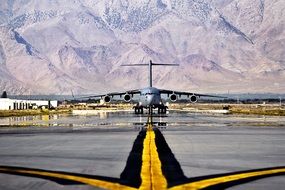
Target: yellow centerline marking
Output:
[
  {"x": 151, "y": 173},
  {"x": 92, "y": 182},
  {"x": 219, "y": 180}
]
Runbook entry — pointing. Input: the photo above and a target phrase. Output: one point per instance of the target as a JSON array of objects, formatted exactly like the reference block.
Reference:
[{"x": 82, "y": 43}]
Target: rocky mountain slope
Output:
[{"x": 59, "y": 46}]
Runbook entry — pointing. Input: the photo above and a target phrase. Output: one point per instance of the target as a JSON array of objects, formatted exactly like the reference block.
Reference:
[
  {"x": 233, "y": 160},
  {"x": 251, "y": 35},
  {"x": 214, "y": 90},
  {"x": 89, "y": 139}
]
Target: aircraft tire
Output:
[
  {"x": 162, "y": 110},
  {"x": 138, "y": 110}
]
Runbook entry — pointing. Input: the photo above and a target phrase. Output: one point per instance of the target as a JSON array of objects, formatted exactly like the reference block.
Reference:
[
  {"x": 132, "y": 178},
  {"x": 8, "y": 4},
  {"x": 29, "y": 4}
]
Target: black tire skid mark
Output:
[
  {"x": 132, "y": 171},
  {"x": 171, "y": 168}
]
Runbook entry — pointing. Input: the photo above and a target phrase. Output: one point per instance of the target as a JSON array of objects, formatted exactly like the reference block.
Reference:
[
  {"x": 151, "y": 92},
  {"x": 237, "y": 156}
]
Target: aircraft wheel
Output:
[
  {"x": 162, "y": 110},
  {"x": 138, "y": 110}
]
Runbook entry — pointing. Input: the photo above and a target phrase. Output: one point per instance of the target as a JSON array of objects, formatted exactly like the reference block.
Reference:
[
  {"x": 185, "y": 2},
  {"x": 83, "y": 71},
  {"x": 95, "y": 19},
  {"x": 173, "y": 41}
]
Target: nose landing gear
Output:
[{"x": 161, "y": 109}]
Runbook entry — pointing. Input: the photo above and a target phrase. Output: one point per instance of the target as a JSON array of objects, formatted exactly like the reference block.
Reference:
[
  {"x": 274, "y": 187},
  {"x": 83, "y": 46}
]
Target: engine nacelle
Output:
[
  {"x": 173, "y": 97},
  {"x": 107, "y": 99},
  {"x": 193, "y": 99},
  {"x": 127, "y": 98}
]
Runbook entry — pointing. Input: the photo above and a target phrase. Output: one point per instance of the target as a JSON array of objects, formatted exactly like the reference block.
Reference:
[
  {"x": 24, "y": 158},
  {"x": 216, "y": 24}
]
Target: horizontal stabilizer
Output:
[
  {"x": 165, "y": 64},
  {"x": 135, "y": 65},
  {"x": 151, "y": 64},
  {"x": 150, "y": 68}
]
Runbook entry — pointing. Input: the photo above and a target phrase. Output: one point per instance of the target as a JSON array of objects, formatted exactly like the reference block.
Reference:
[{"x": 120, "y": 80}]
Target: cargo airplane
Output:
[{"x": 150, "y": 97}]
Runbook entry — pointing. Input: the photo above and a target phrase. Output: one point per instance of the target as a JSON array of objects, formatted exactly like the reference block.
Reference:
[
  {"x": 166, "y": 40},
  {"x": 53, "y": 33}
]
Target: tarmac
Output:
[{"x": 124, "y": 151}]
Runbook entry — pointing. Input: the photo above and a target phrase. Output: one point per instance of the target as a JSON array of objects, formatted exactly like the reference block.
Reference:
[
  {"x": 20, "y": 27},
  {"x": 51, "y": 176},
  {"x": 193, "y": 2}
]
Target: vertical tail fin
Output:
[
  {"x": 150, "y": 73},
  {"x": 150, "y": 68}
]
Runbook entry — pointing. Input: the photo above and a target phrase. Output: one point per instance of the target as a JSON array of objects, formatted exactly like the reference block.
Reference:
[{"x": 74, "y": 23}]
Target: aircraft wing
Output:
[
  {"x": 162, "y": 91},
  {"x": 112, "y": 94}
]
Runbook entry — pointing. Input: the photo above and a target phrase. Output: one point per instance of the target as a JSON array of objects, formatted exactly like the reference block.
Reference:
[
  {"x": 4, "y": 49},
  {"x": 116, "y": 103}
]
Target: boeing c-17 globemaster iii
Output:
[{"x": 150, "y": 97}]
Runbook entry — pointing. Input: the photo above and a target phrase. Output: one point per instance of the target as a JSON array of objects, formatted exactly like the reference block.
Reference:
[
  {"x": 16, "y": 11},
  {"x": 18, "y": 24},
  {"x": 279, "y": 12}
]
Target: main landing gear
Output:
[
  {"x": 138, "y": 109},
  {"x": 162, "y": 109}
]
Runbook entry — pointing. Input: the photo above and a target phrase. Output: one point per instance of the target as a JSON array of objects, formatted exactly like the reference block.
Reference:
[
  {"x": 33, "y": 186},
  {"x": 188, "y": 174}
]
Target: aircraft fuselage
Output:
[{"x": 150, "y": 97}]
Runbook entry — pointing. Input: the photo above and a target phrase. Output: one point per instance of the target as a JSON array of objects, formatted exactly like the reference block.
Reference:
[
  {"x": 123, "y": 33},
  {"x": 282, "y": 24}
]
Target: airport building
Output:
[{"x": 14, "y": 104}]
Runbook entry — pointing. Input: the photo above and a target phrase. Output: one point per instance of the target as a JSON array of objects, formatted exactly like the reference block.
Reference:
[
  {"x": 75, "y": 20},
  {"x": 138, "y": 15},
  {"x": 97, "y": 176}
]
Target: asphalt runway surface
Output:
[{"x": 120, "y": 150}]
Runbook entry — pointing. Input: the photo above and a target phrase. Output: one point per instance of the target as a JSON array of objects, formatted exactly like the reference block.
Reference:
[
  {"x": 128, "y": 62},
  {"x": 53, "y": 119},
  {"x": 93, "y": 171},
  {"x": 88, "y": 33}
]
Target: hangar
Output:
[{"x": 16, "y": 104}]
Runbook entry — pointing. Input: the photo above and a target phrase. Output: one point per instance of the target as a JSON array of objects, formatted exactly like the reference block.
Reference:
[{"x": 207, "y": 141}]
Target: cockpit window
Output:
[{"x": 148, "y": 93}]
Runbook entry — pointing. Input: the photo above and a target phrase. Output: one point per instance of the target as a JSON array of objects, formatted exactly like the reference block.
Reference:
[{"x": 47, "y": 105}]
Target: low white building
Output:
[{"x": 14, "y": 104}]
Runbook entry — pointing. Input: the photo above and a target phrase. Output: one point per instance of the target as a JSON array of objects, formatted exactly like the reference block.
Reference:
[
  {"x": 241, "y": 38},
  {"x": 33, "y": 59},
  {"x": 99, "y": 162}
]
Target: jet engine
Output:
[
  {"x": 107, "y": 99},
  {"x": 127, "y": 98},
  {"x": 173, "y": 97},
  {"x": 193, "y": 99}
]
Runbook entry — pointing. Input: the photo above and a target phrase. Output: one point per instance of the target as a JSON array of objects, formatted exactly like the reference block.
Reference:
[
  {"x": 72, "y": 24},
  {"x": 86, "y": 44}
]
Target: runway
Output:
[{"x": 123, "y": 151}]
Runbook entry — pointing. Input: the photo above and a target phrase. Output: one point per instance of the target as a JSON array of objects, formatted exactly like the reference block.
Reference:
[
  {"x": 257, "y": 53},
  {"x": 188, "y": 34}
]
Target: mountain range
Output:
[{"x": 63, "y": 46}]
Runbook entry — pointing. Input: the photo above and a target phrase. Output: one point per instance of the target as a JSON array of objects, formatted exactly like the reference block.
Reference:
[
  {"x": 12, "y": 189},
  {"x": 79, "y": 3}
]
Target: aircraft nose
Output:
[{"x": 150, "y": 99}]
